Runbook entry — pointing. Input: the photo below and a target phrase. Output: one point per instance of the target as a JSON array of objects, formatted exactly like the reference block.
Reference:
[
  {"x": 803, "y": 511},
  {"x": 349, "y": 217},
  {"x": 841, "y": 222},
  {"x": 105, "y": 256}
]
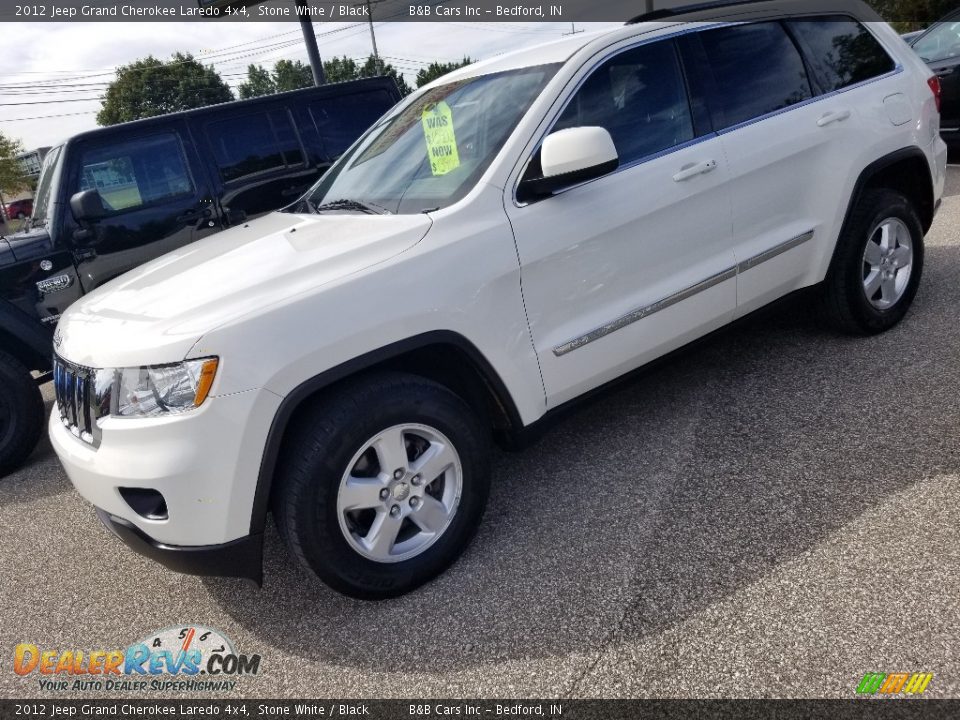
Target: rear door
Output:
[
  {"x": 155, "y": 191},
  {"x": 940, "y": 48},
  {"x": 258, "y": 159},
  {"x": 791, "y": 132}
]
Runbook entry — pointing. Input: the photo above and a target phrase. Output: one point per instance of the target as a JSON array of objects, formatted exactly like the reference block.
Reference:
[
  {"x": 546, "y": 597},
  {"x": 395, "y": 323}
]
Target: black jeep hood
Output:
[{"x": 28, "y": 244}]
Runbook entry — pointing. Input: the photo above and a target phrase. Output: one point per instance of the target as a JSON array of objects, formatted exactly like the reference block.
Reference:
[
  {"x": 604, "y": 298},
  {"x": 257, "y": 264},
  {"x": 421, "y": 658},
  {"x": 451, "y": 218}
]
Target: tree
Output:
[
  {"x": 150, "y": 87},
  {"x": 259, "y": 82},
  {"x": 439, "y": 69},
  {"x": 907, "y": 15},
  {"x": 340, "y": 69},
  {"x": 293, "y": 75},
  {"x": 12, "y": 177}
]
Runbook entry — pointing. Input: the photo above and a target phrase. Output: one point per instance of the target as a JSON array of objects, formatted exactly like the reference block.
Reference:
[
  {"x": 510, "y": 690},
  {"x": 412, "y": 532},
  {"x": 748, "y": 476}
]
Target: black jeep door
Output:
[{"x": 155, "y": 193}]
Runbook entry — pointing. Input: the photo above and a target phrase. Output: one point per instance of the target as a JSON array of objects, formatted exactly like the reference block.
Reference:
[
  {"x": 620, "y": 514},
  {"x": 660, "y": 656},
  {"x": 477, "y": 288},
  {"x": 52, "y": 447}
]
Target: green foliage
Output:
[
  {"x": 439, "y": 69},
  {"x": 150, "y": 87},
  {"x": 286, "y": 75},
  {"x": 259, "y": 82},
  {"x": 906, "y": 15},
  {"x": 12, "y": 177},
  {"x": 340, "y": 69}
]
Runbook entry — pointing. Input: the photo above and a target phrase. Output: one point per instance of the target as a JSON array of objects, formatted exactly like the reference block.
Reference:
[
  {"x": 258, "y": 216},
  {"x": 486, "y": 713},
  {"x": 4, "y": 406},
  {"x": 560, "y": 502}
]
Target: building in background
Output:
[{"x": 31, "y": 161}]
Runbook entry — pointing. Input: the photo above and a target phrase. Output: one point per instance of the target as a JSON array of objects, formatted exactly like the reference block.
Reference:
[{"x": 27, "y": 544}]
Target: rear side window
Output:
[
  {"x": 640, "y": 97},
  {"x": 841, "y": 50},
  {"x": 342, "y": 119},
  {"x": 255, "y": 143},
  {"x": 137, "y": 172},
  {"x": 757, "y": 70}
]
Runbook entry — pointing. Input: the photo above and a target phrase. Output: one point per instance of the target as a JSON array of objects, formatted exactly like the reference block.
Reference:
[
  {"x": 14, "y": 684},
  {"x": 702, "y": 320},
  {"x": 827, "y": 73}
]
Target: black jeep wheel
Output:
[{"x": 21, "y": 413}]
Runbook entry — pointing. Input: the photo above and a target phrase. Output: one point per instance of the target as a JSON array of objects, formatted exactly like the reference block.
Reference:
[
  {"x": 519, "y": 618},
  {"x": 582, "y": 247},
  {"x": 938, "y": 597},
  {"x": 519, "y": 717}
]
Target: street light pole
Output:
[
  {"x": 373, "y": 38},
  {"x": 310, "y": 39}
]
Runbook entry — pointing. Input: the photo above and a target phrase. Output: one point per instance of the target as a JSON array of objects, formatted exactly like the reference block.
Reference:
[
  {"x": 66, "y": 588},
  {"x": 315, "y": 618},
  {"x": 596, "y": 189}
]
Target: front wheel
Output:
[
  {"x": 21, "y": 413},
  {"x": 876, "y": 267},
  {"x": 383, "y": 485}
]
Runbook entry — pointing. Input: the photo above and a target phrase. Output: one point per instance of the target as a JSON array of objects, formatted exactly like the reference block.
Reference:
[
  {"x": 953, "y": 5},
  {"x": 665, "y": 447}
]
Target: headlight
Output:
[{"x": 163, "y": 389}]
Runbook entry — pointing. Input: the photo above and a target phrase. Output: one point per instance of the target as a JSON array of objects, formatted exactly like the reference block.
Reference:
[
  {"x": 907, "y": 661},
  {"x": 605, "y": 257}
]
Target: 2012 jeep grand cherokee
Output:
[{"x": 507, "y": 239}]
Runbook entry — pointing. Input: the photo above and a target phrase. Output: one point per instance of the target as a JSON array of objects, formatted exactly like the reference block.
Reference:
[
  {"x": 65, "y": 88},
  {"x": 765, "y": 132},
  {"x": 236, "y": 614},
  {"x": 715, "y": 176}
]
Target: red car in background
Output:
[{"x": 20, "y": 209}]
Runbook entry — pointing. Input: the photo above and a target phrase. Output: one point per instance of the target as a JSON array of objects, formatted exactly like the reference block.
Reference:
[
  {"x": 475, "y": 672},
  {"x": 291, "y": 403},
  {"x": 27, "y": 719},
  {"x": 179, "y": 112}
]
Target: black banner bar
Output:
[
  {"x": 486, "y": 11},
  {"x": 201, "y": 709}
]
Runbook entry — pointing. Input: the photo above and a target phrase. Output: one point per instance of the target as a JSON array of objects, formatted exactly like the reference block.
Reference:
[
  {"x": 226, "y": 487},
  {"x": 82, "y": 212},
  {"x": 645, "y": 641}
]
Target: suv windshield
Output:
[
  {"x": 41, "y": 200},
  {"x": 941, "y": 43},
  {"x": 432, "y": 152}
]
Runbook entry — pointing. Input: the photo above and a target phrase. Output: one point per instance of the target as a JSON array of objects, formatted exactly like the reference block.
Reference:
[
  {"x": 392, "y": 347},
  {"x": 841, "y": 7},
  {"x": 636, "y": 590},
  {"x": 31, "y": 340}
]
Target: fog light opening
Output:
[{"x": 146, "y": 503}]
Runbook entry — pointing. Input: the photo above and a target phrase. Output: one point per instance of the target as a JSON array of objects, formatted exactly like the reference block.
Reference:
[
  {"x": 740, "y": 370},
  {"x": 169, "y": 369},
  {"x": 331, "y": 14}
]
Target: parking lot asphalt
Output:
[{"x": 772, "y": 514}]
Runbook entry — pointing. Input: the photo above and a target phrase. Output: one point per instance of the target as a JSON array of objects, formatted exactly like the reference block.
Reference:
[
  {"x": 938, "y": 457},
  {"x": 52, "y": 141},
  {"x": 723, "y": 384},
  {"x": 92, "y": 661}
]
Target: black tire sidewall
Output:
[
  {"x": 877, "y": 207},
  {"x": 25, "y": 404},
  {"x": 314, "y": 527}
]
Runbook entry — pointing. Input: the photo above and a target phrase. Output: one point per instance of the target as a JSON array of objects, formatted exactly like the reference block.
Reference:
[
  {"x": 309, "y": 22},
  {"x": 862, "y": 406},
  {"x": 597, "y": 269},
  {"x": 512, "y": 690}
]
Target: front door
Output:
[
  {"x": 622, "y": 269},
  {"x": 155, "y": 193}
]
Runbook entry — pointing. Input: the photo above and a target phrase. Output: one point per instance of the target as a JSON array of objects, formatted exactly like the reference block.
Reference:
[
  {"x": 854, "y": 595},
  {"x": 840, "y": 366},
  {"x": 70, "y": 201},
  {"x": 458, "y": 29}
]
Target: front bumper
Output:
[
  {"x": 241, "y": 558},
  {"x": 204, "y": 463}
]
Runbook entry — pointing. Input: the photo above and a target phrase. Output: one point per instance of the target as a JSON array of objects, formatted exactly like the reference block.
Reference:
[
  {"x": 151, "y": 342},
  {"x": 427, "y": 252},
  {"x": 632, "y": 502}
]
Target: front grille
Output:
[{"x": 79, "y": 402}]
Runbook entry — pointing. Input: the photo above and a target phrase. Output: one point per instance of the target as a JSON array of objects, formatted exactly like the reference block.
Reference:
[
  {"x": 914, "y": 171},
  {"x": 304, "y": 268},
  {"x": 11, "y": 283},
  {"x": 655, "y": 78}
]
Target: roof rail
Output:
[{"x": 665, "y": 13}]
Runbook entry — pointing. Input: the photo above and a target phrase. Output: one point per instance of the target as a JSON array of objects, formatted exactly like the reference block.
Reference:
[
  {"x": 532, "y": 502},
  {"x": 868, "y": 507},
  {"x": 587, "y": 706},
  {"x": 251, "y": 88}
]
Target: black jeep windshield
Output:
[{"x": 432, "y": 152}]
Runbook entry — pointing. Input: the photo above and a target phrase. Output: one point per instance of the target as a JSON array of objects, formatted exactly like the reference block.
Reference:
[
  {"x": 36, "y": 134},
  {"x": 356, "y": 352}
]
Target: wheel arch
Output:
[
  {"x": 443, "y": 356},
  {"x": 906, "y": 171},
  {"x": 25, "y": 338}
]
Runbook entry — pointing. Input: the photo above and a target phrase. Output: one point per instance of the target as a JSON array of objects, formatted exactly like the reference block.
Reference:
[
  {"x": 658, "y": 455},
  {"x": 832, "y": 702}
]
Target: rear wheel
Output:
[
  {"x": 877, "y": 265},
  {"x": 383, "y": 485},
  {"x": 21, "y": 413}
]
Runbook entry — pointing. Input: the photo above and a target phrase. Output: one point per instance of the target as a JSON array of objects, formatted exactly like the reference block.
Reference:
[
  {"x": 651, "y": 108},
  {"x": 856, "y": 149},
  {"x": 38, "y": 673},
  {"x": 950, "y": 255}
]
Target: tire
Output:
[
  {"x": 21, "y": 413},
  {"x": 340, "y": 545},
  {"x": 846, "y": 302}
]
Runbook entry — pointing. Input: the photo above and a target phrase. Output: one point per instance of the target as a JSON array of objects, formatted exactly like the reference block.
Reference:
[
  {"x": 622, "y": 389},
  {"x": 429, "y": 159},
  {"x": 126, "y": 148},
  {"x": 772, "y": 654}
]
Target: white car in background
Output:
[{"x": 503, "y": 242}]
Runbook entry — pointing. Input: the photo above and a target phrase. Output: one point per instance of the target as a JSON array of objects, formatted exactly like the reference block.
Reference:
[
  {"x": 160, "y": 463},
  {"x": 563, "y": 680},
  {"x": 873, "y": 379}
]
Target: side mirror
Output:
[
  {"x": 87, "y": 206},
  {"x": 572, "y": 156}
]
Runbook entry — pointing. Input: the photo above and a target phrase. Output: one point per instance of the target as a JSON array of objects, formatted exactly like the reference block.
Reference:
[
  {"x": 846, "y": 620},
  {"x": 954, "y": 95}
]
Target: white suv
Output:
[{"x": 505, "y": 240}]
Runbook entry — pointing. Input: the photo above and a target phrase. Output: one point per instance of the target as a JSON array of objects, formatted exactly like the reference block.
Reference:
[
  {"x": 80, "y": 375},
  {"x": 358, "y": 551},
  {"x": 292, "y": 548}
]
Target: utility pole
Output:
[
  {"x": 310, "y": 39},
  {"x": 378, "y": 66},
  {"x": 573, "y": 30},
  {"x": 373, "y": 37},
  {"x": 647, "y": 6}
]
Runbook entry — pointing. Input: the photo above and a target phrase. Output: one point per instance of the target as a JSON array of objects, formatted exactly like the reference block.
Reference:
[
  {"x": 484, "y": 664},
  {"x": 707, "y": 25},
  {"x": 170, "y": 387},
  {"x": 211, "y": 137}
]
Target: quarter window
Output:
[
  {"x": 137, "y": 172},
  {"x": 841, "y": 50},
  {"x": 757, "y": 70},
  {"x": 251, "y": 144},
  {"x": 338, "y": 118},
  {"x": 639, "y": 96}
]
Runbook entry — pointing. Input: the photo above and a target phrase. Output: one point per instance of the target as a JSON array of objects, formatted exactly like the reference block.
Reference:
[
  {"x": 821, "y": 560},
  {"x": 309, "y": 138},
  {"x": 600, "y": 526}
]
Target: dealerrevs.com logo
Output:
[{"x": 188, "y": 658}]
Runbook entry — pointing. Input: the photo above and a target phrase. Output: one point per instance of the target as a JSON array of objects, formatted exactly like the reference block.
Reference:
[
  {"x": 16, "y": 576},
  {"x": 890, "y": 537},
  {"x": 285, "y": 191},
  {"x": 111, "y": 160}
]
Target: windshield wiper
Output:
[{"x": 369, "y": 208}]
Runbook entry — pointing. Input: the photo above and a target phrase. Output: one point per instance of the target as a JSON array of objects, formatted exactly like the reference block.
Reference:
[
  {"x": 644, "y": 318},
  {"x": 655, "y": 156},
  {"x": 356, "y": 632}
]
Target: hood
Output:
[{"x": 157, "y": 312}]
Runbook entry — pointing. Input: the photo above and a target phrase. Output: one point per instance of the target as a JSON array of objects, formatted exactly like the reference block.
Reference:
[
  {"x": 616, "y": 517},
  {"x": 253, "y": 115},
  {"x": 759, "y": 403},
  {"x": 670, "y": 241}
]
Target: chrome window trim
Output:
[
  {"x": 681, "y": 295},
  {"x": 897, "y": 69}
]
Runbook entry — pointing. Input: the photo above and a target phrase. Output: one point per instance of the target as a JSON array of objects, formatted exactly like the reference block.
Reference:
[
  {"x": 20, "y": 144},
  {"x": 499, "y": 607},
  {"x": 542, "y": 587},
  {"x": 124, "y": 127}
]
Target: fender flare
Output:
[
  {"x": 292, "y": 401},
  {"x": 34, "y": 338}
]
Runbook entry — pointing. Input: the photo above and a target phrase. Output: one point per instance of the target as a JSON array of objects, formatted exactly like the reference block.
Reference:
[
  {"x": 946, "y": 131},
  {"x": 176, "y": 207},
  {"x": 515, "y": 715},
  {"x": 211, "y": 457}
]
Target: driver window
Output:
[
  {"x": 639, "y": 96},
  {"x": 135, "y": 173}
]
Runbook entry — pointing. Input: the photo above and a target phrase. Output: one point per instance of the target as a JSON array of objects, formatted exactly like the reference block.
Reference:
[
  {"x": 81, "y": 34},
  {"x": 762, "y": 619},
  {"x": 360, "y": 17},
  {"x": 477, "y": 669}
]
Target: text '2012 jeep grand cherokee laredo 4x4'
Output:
[{"x": 507, "y": 239}]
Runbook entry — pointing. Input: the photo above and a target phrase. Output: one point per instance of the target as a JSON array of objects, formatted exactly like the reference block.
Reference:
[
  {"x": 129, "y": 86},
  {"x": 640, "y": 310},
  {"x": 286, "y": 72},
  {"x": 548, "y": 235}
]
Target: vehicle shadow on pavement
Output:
[{"x": 661, "y": 498}]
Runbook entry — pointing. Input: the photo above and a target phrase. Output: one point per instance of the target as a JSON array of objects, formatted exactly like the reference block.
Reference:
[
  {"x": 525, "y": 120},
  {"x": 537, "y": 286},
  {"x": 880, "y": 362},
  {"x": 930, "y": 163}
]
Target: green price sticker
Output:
[{"x": 441, "y": 141}]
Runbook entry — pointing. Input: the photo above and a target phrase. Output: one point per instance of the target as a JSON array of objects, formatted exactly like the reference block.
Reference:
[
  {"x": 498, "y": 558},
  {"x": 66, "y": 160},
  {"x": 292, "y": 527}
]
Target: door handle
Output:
[
  {"x": 694, "y": 169},
  {"x": 194, "y": 214},
  {"x": 946, "y": 71},
  {"x": 832, "y": 117}
]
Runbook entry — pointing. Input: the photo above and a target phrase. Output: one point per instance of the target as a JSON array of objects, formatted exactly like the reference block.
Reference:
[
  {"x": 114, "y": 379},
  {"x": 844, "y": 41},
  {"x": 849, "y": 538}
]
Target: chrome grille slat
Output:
[{"x": 77, "y": 400}]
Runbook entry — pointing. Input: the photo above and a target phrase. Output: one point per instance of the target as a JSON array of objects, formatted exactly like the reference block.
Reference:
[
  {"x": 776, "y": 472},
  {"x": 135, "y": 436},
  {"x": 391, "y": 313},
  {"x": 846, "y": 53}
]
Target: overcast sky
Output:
[{"x": 59, "y": 69}]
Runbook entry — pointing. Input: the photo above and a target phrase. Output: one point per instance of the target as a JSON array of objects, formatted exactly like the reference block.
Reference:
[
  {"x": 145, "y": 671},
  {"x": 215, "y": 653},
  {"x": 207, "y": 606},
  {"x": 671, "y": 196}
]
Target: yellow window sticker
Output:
[{"x": 437, "y": 120}]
